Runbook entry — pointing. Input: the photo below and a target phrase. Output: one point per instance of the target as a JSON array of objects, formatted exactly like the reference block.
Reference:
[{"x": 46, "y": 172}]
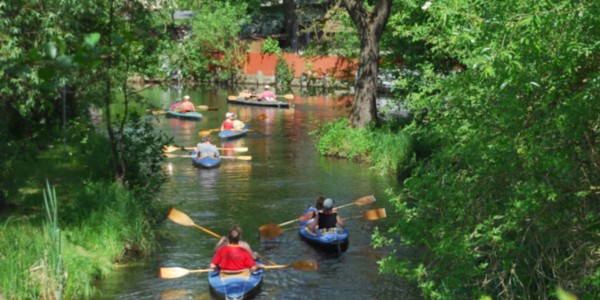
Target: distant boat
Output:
[
  {"x": 255, "y": 102},
  {"x": 205, "y": 162},
  {"x": 232, "y": 134},
  {"x": 192, "y": 115}
]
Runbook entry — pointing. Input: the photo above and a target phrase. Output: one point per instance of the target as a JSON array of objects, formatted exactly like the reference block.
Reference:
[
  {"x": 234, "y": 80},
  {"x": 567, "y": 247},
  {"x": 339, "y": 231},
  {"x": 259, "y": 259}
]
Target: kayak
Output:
[
  {"x": 205, "y": 162},
  {"x": 331, "y": 240},
  {"x": 266, "y": 103},
  {"x": 232, "y": 134},
  {"x": 192, "y": 115},
  {"x": 243, "y": 285}
]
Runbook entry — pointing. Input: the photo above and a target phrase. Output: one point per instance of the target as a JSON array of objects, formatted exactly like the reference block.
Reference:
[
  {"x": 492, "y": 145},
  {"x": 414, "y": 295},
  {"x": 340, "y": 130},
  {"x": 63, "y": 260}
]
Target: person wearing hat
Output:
[
  {"x": 186, "y": 105},
  {"x": 228, "y": 123},
  {"x": 233, "y": 257},
  {"x": 206, "y": 148},
  {"x": 267, "y": 94},
  {"x": 327, "y": 218}
]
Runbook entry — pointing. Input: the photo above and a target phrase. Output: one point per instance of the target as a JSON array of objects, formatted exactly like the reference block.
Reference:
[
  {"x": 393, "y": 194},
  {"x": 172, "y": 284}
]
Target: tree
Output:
[{"x": 369, "y": 24}]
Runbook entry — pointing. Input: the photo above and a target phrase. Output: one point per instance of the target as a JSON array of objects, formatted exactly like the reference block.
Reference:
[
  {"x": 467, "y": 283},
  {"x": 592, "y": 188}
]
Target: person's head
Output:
[
  {"x": 319, "y": 203},
  {"x": 267, "y": 87},
  {"x": 229, "y": 115},
  {"x": 186, "y": 98},
  {"x": 234, "y": 235},
  {"x": 328, "y": 204},
  {"x": 207, "y": 138}
]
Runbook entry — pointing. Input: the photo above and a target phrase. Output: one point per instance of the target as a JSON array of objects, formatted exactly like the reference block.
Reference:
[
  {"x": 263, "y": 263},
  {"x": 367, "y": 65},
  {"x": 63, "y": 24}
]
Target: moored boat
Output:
[
  {"x": 230, "y": 286},
  {"x": 330, "y": 240},
  {"x": 192, "y": 115},
  {"x": 205, "y": 162},
  {"x": 232, "y": 134},
  {"x": 255, "y": 102}
]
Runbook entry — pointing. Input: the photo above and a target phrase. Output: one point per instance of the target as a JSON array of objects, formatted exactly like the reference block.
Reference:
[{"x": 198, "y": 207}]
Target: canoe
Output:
[
  {"x": 265, "y": 103},
  {"x": 192, "y": 115},
  {"x": 232, "y": 134},
  {"x": 206, "y": 162},
  {"x": 243, "y": 285},
  {"x": 332, "y": 240}
]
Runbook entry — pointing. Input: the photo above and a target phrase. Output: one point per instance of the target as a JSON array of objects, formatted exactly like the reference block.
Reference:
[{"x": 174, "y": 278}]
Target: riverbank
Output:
[{"x": 59, "y": 239}]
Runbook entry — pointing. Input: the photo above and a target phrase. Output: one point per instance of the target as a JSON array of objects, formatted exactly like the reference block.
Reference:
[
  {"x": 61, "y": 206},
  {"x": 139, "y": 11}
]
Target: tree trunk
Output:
[
  {"x": 291, "y": 24},
  {"x": 370, "y": 25}
]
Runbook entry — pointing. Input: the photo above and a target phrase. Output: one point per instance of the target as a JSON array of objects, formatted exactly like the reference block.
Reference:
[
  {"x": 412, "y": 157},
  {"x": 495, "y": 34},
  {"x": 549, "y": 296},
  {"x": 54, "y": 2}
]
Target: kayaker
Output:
[
  {"x": 327, "y": 218},
  {"x": 313, "y": 210},
  {"x": 237, "y": 124},
  {"x": 175, "y": 106},
  {"x": 267, "y": 94},
  {"x": 228, "y": 123},
  {"x": 186, "y": 105},
  {"x": 224, "y": 242},
  {"x": 233, "y": 257},
  {"x": 206, "y": 148}
]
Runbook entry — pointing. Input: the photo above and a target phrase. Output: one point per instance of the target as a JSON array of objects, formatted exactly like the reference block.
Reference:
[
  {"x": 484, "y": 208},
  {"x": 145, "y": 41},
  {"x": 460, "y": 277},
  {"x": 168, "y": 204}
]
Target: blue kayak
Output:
[
  {"x": 232, "y": 134},
  {"x": 331, "y": 240},
  {"x": 243, "y": 285},
  {"x": 192, "y": 115},
  {"x": 205, "y": 162}
]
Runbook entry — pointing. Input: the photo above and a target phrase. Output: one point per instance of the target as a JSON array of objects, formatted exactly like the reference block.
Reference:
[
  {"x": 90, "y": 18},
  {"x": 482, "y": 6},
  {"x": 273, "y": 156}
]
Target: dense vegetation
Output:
[{"x": 504, "y": 196}]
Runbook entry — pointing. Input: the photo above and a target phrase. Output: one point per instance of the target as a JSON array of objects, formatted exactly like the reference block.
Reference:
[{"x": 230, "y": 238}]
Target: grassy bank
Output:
[
  {"x": 384, "y": 149},
  {"x": 107, "y": 225}
]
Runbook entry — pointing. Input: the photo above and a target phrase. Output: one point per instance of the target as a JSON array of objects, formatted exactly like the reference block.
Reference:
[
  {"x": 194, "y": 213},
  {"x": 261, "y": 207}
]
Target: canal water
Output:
[{"x": 284, "y": 176}]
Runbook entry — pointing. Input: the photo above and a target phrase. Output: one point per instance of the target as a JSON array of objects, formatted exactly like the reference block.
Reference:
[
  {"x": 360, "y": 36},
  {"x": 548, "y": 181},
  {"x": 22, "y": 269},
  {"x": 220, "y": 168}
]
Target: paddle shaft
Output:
[{"x": 360, "y": 201}]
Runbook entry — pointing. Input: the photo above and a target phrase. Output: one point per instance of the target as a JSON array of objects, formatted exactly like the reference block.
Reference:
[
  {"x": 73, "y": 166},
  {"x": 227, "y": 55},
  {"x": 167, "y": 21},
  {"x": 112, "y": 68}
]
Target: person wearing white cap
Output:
[
  {"x": 228, "y": 123},
  {"x": 186, "y": 105},
  {"x": 327, "y": 218},
  {"x": 267, "y": 94}
]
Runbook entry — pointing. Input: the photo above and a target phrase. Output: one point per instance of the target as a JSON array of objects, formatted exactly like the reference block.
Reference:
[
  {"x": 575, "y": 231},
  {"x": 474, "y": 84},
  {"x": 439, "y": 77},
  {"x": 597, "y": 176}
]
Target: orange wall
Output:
[{"x": 340, "y": 67}]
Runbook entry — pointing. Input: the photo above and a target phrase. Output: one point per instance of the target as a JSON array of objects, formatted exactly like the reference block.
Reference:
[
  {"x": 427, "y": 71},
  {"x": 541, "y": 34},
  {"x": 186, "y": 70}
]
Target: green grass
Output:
[{"x": 386, "y": 150}]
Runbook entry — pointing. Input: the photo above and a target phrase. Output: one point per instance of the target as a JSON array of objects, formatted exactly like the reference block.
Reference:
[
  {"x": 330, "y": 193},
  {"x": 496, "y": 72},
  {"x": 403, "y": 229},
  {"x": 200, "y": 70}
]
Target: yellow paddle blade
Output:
[
  {"x": 240, "y": 157},
  {"x": 231, "y": 97},
  {"x": 305, "y": 265},
  {"x": 288, "y": 96},
  {"x": 375, "y": 214},
  {"x": 180, "y": 218},
  {"x": 174, "y": 272},
  {"x": 170, "y": 148},
  {"x": 364, "y": 200},
  {"x": 170, "y": 155},
  {"x": 269, "y": 231}
]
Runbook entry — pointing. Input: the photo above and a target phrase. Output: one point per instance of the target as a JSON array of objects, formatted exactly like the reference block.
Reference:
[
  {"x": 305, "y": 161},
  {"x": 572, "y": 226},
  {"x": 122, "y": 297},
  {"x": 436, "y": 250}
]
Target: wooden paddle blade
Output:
[
  {"x": 231, "y": 97},
  {"x": 236, "y": 149},
  {"x": 240, "y": 157},
  {"x": 170, "y": 148},
  {"x": 364, "y": 200},
  {"x": 170, "y": 155},
  {"x": 174, "y": 272},
  {"x": 269, "y": 231},
  {"x": 375, "y": 214},
  {"x": 288, "y": 96},
  {"x": 305, "y": 265},
  {"x": 180, "y": 218}
]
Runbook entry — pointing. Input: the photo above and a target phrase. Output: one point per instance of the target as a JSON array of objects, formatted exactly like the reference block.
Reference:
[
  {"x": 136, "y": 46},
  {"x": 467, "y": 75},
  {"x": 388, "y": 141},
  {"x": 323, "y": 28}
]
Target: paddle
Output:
[
  {"x": 240, "y": 157},
  {"x": 176, "y": 272},
  {"x": 181, "y": 218},
  {"x": 358, "y": 202},
  {"x": 171, "y": 148},
  {"x": 271, "y": 231}
]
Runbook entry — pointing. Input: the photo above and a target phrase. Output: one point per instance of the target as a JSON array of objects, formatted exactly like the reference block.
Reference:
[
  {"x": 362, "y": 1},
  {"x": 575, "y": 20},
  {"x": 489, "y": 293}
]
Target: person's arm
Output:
[
  {"x": 221, "y": 243},
  {"x": 214, "y": 267},
  {"x": 247, "y": 247},
  {"x": 339, "y": 221},
  {"x": 314, "y": 223}
]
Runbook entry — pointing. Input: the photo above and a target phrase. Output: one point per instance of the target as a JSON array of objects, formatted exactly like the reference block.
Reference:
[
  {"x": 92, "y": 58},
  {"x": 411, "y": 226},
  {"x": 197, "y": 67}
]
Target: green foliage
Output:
[
  {"x": 103, "y": 210},
  {"x": 504, "y": 204},
  {"x": 284, "y": 74},
  {"x": 387, "y": 151},
  {"x": 271, "y": 46}
]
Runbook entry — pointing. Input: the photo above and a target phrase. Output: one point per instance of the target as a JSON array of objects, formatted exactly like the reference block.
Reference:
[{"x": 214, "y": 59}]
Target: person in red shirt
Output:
[
  {"x": 232, "y": 257},
  {"x": 228, "y": 123},
  {"x": 186, "y": 105}
]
